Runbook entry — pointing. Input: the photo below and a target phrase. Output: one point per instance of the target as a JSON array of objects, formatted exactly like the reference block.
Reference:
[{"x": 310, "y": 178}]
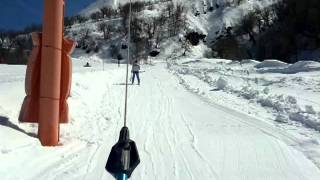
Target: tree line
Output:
[
  {"x": 147, "y": 33},
  {"x": 280, "y": 31}
]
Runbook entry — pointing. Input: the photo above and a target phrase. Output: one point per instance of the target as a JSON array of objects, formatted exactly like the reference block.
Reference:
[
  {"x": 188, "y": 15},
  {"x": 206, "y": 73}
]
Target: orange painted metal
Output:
[{"x": 48, "y": 77}]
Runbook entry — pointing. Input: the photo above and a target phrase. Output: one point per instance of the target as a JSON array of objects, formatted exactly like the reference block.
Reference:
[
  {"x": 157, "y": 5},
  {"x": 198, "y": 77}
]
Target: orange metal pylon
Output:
[{"x": 48, "y": 77}]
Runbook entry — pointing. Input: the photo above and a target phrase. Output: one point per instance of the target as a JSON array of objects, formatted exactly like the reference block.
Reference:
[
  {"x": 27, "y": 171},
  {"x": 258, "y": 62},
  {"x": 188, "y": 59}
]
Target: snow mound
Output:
[
  {"x": 283, "y": 97},
  {"x": 270, "y": 64},
  {"x": 249, "y": 93},
  {"x": 282, "y": 118},
  {"x": 301, "y": 66},
  {"x": 222, "y": 83},
  {"x": 249, "y": 61},
  {"x": 307, "y": 119},
  {"x": 304, "y": 66}
]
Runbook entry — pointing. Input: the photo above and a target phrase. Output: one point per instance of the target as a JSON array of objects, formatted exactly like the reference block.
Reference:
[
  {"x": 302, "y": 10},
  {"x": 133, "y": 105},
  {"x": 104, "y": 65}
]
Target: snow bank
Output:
[
  {"x": 249, "y": 61},
  {"x": 304, "y": 66},
  {"x": 284, "y": 97},
  {"x": 310, "y": 120},
  {"x": 301, "y": 66},
  {"x": 270, "y": 64}
]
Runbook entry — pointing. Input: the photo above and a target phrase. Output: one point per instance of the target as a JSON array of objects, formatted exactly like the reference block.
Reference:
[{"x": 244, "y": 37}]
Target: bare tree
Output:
[
  {"x": 247, "y": 25},
  {"x": 185, "y": 46},
  {"x": 106, "y": 29},
  {"x": 96, "y": 15},
  {"x": 107, "y": 12}
]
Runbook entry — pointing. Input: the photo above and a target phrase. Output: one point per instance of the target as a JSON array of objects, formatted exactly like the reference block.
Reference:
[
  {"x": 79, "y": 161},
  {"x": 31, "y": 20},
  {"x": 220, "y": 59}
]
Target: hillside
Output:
[
  {"x": 210, "y": 18},
  {"x": 243, "y": 29}
]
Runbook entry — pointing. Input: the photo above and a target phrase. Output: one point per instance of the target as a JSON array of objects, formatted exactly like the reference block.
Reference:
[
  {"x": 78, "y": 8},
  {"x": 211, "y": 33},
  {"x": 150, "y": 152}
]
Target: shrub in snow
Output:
[
  {"x": 84, "y": 47},
  {"x": 195, "y": 37},
  {"x": 96, "y": 49},
  {"x": 249, "y": 93},
  {"x": 119, "y": 57},
  {"x": 272, "y": 103},
  {"x": 124, "y": 46},
  {"x": 266, "y": 102},
  {"x": 266, "y": 90},
  {"x": 154, "y": 53},
  {"x": 221, "y": 83},
  {"x": 306, "y": 119},
  {"x": 282, "y": 118}
]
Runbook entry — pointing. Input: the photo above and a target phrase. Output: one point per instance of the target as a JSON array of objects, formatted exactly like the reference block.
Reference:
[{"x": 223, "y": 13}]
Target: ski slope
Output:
[{"x": 179, "y": 135}]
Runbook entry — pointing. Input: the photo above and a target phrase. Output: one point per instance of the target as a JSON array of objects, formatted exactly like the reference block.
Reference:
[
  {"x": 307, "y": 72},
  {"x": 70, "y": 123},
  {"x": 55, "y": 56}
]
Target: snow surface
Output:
[
  {"x": 180, "y": 132},
  {"x": 95, "y": 6}
]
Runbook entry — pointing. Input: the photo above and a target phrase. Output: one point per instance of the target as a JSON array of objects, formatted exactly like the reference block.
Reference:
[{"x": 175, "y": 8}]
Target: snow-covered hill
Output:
[
  {"x": 228, "y": 14},
  {"x": 213, "y": 23},
  {"x": 99, "y": 4}
]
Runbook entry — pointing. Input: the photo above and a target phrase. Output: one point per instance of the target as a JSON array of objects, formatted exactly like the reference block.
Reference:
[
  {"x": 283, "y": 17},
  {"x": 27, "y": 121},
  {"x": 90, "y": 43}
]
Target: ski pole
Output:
[{"x": 122, "y": 177}]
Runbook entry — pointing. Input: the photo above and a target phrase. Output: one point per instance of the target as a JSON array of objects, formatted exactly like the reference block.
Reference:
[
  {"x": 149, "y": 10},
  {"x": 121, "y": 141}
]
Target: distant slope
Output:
[
  {"x": 101, "y": 3},
  {"x": 115, "y": 3},
  {"x": 213, "y": 23}
]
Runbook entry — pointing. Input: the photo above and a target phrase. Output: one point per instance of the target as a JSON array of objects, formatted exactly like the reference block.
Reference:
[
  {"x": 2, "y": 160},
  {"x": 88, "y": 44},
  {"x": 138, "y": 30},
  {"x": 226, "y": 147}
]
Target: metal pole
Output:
[
  {"x": 50, "y": 78},
  {"x": 122, "y": 177},
  {"x": 127, "y": 69}
]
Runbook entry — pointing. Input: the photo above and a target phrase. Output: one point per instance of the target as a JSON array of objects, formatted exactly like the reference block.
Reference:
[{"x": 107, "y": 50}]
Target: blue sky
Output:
[{"x": 16, "y": 14}]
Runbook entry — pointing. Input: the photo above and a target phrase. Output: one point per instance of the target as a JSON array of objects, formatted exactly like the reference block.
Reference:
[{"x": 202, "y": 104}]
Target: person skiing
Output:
[{"x": 135, "y": 72}]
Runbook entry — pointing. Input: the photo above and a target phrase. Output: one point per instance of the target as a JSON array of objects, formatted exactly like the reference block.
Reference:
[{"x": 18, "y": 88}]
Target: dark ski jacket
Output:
[{"x": 135, "y": 67}]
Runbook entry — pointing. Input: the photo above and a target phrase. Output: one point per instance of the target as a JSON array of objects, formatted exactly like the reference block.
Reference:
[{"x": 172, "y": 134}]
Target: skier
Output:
[{"x": 135, "y": 72}]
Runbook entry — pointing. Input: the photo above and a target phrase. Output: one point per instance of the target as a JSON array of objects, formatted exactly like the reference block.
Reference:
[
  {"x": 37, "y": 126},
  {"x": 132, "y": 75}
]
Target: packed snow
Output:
[{"x": 186, "y": 124}]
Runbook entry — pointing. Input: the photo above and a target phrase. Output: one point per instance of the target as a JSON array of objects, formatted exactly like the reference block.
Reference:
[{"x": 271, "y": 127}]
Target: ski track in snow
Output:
[{"x": 178, "y": 134}]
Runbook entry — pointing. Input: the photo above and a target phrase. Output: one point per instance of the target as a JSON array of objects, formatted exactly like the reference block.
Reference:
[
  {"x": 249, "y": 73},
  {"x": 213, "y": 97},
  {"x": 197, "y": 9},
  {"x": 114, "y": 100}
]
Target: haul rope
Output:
[{"x": 124, "y": 156}]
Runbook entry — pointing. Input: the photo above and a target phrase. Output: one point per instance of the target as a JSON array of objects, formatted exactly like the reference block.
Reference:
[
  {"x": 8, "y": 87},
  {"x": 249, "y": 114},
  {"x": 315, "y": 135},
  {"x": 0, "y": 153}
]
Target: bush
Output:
[
  {"x": 195, "y": 37},
  {"x": 114, "y": 51},
  {"x": 81, "y": 19},
  {"x": 119, "y": 57},
  {"x": 96, "y": 16},
  {"x": 96, "y": 49},
  {"x": 229, "y": 48}
]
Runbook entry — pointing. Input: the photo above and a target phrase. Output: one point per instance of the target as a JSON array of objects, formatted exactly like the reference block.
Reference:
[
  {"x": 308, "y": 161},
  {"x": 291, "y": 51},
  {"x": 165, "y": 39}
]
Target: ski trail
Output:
[
  {"x": 197, "y": 151},
  {"x": 178, "y": 134}
]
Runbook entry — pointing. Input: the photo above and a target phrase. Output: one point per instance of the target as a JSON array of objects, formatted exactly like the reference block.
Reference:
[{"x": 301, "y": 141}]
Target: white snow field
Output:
[{"x": 179, "y": 134}]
